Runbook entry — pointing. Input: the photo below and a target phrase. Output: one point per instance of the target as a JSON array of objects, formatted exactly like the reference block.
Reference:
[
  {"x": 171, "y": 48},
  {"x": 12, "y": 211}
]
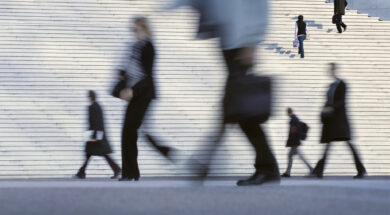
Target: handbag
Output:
[
  {"x": 247, "y": 98},
  {"x": 295, "y": 43},
  {"x": 334, "y": 19}
]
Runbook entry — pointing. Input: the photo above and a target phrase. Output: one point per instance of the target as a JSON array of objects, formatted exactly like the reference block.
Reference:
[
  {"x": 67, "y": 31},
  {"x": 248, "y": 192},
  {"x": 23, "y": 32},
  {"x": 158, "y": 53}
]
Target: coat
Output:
[
  {"x": 339, "y": 7},
  {"x": 294, "y": 136},
  {"x": 96, "y": 123},
  {"x": 336, "y": 125},
  {"x": 244, "y": 26}
]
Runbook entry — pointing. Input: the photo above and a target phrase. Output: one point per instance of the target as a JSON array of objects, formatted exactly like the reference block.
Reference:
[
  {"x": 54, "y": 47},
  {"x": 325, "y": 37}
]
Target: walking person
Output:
[
  {"x": 300, "y": 34},
  {"x": 139, "y": 93},
  {"x": 335, "y": 124},
  {"x": 294, "y": 141},
  {"x": 239, "y": 34},
  {"x": 339, "y": 12},
  {"x": 98, "y": 144}
]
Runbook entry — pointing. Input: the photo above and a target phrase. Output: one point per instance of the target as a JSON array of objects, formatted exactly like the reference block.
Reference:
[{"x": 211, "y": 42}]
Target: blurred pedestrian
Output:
[
  {"x": 335, "y": 123},
  {"x": 98, "y": 144},
  {"x": 300, "y": 34},
  {"x": 139, "y": 92},
  {"x": 239, "y": 34},
  {"x": 297, "y": 132},
  {"x": 339, "y": 12}
]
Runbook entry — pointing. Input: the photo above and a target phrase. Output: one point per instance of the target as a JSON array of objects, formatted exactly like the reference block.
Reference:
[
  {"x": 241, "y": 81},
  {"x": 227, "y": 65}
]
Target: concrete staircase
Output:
[{"x": 52, "y": 52}]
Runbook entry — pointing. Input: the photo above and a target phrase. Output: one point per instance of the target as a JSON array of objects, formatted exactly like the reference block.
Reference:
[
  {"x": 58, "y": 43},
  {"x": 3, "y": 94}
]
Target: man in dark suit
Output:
[
  {"x": 98, "y": 145},
  {"x": 335, "y": 124},
  {"x": 339, "y": 11},
  {"x": 294, "y": 141}
]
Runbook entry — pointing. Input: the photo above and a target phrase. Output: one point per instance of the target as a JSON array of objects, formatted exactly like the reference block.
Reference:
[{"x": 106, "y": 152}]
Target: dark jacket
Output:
[
  {"x": 335, "y": 125},
  {"x": 294, "y": 136},
  {"x": 146, "y": 85},
  {"x": 96, "y": 123},
  {"x": 339, "y": 7}
]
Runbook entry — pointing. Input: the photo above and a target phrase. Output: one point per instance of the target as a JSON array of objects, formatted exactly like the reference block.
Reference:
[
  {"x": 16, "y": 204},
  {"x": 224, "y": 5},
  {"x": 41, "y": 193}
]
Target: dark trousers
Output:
[
  {"x": 265, "y": 161},
  {"x": 109, "y": 160},
  {"x": 319, "y": 168},
  {"x": 135, "y": 114},
  {"x": 340, "y": 23}
]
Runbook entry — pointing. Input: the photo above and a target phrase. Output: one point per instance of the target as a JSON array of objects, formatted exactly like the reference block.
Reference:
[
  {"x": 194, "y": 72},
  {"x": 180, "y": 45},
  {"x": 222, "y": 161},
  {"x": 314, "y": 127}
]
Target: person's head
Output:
[
  {"x": 333, "y": 70},
  {"x": 92, "y": 96},
  {"x": 122, "y": 74},
  {"x": 300, "y": 18},
  {"x": 141, "y": 28},
  {"x": 289, "y": 112}
]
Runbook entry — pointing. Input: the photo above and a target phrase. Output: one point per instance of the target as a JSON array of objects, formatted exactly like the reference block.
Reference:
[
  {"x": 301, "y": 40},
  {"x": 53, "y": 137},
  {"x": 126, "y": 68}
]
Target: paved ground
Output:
[{"x": 332, "y": 195}]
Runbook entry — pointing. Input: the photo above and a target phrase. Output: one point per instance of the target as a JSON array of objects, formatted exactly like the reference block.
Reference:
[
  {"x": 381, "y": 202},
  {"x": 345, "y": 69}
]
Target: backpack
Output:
[{"x": 304, "y": 128}]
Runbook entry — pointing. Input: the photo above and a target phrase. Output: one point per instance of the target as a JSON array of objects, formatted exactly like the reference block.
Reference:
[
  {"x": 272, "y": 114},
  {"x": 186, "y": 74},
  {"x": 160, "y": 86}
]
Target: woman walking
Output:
[
  {"x": 98, "y": 144},
  {"x": 300, "y": 34},
  {"x": 335, "y": 124},
  {"x": 139, "y": 92}
]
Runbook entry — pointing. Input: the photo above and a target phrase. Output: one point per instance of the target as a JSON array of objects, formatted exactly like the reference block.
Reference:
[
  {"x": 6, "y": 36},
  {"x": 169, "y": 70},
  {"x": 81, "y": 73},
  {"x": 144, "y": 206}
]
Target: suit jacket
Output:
[
  {"x": 96, "y": 123},
  {"x": 294, "y": 137},
  {"x": 336, "y": 125}
]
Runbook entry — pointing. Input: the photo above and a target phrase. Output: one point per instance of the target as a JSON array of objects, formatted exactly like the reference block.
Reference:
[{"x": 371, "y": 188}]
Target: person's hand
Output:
[
  {"x": 126, "y": 94},
  {"x": 328, "y": 110},
  {"x": 246, "y": 56}
]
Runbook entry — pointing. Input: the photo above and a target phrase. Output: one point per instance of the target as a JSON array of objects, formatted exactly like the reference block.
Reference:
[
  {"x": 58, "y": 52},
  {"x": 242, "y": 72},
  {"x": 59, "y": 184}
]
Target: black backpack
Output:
[{"x": 304, "y": 128}]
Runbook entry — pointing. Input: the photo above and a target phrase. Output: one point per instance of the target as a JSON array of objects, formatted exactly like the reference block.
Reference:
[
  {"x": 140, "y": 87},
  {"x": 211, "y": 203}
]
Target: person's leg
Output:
[
  {"x": 338, "y": 23},
  {"x": 266, "y": 166},
  {"x": 115, "y": 168},
  {"x": 319, "y": 168},
  {"x": 301, "y": 50},
  {"x": 125, "y": 152},
  {"x": 359, "y": 165},
  {"x": 265, "y": 161},
  {"x": 298, "y": 152},
  {"x": 81, "y": 172},
  {"x": 290, "y": 160}
]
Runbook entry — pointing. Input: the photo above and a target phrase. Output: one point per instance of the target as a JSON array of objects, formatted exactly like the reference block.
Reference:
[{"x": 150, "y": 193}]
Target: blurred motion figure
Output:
[
  {"x": 297, "y": 132},
  {"x": 240, "y": 25},
  {"x": 335, "y": 123},
  {"x": 98, "y": 144},
  {"x": 138, "y": 90}
]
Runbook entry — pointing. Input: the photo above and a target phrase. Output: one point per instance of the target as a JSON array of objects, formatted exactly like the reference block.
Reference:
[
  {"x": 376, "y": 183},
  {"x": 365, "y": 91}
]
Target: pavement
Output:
[{"x": 171, "y": 196}]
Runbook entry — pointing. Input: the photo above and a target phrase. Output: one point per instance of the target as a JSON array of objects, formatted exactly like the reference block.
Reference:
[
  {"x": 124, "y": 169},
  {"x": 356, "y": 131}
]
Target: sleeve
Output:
[
  {"x": 148, "y": 58},
  {"x": 296, "y": 30},
  {"x": 294, "y": 125},
  {"x": 95, "y": 122}
]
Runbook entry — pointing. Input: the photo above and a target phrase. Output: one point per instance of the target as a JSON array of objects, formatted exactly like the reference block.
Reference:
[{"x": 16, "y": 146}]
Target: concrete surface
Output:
[{"x": 331, "y": 195}]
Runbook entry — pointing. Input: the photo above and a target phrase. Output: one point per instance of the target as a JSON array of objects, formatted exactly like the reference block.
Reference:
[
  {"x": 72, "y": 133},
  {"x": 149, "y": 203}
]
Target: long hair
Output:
[
  {"x": 144, "y": 23},
  {"x": 300, "y": 18}
]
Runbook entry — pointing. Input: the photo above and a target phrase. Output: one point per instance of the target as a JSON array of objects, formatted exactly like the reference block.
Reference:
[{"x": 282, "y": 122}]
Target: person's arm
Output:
[{"x": 296, "y": 31}]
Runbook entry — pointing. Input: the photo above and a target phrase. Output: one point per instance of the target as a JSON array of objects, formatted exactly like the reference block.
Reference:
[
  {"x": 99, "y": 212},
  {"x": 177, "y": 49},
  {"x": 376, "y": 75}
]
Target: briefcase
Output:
[{"x": 247, "y": 99}]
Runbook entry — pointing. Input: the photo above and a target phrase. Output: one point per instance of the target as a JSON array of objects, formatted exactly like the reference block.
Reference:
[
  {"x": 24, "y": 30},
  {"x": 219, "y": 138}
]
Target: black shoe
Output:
[
  {"x": 285, "y": 175},
  {"x": 116, "y": 174},
  {"x": 345, "y": 28},
  {"x": 360, "y": 175},
  {"x": 258, "y": 179},
  {"x": 314, "y": 175},
  {"x": 79, "y": 176},
  {"x": 124, "y": 179}
]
